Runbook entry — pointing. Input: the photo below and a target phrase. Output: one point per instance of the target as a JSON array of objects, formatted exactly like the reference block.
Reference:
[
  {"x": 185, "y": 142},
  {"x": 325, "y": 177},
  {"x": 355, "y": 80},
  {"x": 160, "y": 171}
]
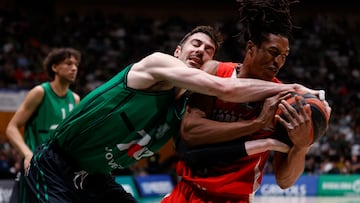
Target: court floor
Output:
[
  {"x": 307, "y": 199},
  {"x": 265, "y": 199}
]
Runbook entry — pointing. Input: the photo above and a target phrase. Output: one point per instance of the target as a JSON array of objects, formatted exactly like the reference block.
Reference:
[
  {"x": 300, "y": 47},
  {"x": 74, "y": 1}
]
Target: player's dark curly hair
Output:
[
  {"x": 58, "y": 55},
  {"x": 258, "y": 18}
]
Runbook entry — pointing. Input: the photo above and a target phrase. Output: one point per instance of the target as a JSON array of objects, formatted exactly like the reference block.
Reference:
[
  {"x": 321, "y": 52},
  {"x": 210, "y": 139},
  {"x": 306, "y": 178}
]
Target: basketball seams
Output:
[
  {"x": 319, "y": 118},
  {"x": 318, "y": 104}
]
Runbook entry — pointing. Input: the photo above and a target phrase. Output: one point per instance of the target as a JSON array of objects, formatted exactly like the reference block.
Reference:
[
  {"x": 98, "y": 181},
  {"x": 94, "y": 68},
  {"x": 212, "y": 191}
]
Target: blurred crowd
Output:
[{"x": 324, "y": 55}]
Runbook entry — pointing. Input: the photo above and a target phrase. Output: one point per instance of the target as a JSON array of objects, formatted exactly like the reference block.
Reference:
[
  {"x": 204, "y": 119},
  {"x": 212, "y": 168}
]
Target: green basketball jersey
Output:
[
  {"x": 114, "y": 126},
  {"x": 48, "y": 115}
]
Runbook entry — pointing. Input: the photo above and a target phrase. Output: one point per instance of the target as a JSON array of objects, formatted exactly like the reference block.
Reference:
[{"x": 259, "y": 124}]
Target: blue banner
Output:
[
  {"x": 304, "y": 186},
  {"x": 154, "y": 185}
]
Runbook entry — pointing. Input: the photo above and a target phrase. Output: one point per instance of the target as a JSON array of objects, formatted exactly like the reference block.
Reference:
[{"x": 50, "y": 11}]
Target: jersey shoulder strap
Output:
[{"x": 226, "y": 69}]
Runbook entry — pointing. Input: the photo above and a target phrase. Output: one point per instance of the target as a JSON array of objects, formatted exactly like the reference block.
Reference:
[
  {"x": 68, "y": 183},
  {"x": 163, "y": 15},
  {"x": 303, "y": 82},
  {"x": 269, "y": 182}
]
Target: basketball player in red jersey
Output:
[{"x": 229, "y": 171}]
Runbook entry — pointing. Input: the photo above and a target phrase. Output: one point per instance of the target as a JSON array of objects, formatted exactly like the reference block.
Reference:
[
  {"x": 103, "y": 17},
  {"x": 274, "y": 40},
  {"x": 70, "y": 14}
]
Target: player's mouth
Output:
[
  {"x": 72, "y": 76},
  {"x": 195, "y": 61}
]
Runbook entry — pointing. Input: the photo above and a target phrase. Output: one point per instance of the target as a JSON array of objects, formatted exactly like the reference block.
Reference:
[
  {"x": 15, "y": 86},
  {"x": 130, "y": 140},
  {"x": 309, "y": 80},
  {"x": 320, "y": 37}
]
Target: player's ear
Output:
[
  {"x": 177, "y": 51},
  {"x": 249, "y": 46}
]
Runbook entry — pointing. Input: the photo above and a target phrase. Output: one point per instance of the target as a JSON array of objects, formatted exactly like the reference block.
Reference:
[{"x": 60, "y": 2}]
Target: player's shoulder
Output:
[
  {"x": 210, "y": 66},
  {"x": 38, "y": 90},
  {"x": 156, "y": 63},
  {"x": 77, "y": 97},
  {"x": 229, "y": 65},
  {"x": 152, "y": 72},
  {"x": 155, "y": 59},
  {"x": 227, "y": 69},
  {"x": 35, "y": 95}
]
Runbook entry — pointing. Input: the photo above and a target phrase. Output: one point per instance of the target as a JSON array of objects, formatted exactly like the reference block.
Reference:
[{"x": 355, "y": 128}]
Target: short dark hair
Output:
[
  {"x": 258, "y": 18},
  {"x": 213, "y": 33},
  {"x": 58, "y": 55}
]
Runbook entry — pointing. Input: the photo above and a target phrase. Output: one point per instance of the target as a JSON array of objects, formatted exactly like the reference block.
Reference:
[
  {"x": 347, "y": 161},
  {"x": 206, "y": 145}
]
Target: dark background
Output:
[
  {"x": 324, "y": 55},
  {"x": 195, "y": 10}
]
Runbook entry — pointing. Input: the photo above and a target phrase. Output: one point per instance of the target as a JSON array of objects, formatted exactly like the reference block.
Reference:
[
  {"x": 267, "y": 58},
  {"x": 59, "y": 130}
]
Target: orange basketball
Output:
[{"x": 320, "y": 118}]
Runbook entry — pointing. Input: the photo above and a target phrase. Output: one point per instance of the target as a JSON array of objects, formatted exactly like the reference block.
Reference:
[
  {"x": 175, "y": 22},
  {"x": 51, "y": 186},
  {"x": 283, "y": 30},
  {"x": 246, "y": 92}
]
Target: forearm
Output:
[
  {"x": 263, "y": 145},
  {"x": 202, "y": 131},
  {"x": 17, "y": 140},
  {"x": 256, "y": 90},
  {"x": 289, "y": 167},
  {"x": 204, "y": 156},
  {"x": 211, "y": 155}
]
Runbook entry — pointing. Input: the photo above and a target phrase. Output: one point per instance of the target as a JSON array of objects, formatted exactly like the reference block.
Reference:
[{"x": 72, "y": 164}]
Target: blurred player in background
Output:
[
  {"x": 232, "y": 171},
  {"x": 128, "y": 118},
  {"x": 43, "y": 108}
]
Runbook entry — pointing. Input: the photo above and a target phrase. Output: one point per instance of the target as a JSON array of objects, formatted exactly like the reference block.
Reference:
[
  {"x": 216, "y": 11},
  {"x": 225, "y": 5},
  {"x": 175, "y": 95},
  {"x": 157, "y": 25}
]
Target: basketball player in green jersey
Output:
[
  {"x": 128, "y": 118},
  {"x": 44, "y": 107}
]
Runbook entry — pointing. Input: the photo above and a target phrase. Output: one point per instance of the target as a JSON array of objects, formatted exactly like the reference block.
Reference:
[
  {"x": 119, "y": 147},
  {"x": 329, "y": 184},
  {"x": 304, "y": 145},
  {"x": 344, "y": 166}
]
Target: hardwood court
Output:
[
  {"x": 265, "y": 199},
  {"x": 307, "y": 199}
]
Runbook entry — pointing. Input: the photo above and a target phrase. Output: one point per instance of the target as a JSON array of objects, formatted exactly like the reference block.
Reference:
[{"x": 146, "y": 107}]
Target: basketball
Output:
[{"x": 319, "y": 116}]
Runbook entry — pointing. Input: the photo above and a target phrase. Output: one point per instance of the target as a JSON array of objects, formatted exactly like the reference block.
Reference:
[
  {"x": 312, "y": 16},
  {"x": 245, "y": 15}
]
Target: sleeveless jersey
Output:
[
  {"x": 241, "y": 178},
  {"x": 114, "y": 126},
  {"x": 47, "y": 116}
]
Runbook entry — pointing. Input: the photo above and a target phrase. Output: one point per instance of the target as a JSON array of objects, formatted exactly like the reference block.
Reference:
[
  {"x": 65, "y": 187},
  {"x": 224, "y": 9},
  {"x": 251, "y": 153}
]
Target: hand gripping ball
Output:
[{"x": 319, "y": 116}]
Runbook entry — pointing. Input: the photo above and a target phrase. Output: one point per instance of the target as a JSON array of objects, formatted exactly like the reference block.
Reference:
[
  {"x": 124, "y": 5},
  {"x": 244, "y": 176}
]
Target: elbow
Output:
[
  {"x": 12, "y": 129},
  {"x": 284, "y": 186},
  {"x": 187, "y": 137},
  {"x": 8, "y": 132},
  {"x": 284, "y": 183}
]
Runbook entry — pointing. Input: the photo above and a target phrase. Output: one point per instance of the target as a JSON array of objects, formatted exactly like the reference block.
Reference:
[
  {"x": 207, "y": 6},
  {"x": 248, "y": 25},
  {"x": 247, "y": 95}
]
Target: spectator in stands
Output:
[{"x": 355, "y": 164}]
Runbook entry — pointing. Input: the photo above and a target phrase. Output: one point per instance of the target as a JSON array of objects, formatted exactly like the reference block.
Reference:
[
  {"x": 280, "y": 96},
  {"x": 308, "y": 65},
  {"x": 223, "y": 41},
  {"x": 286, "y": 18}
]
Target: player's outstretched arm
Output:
[{"x": 168, "y": 71}]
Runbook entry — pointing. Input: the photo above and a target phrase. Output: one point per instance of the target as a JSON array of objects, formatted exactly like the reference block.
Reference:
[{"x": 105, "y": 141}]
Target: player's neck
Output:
[{"x": 59, "y": 88}]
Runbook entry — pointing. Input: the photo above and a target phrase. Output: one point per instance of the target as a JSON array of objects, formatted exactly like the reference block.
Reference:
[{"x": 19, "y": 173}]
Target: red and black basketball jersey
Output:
[{"x": 242, "y": 177}]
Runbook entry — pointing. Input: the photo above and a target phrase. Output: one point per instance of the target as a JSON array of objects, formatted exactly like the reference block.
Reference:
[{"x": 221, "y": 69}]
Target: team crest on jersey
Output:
[{"x": 137, "y": 148}]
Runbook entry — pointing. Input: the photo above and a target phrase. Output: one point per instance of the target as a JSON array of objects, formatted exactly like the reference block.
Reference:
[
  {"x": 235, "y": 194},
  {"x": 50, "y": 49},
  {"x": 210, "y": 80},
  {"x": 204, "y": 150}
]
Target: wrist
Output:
[
  {"x": 258, "y": 124},
  {"x": 29, "y": 154},
  {"x": 299, "y": 150}
]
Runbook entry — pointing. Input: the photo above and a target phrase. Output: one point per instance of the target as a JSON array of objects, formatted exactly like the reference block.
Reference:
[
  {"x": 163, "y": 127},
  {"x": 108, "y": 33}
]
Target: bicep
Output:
[
  {"x": 154, "y": 70},
  {"x": 170, "y": 70},
  {"x": 197, "y": 111},
  {"x": 27, "y": 107}
]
